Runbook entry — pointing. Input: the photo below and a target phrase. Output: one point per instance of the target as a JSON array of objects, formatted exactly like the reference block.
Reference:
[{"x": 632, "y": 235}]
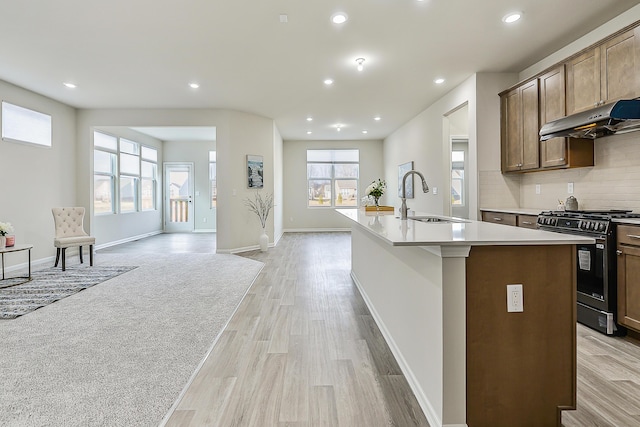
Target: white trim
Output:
[
  {"x": 204, "y": 230},
  {"x": 206, "y": 356},
  {"x": 424, "y": 403},
  {"x": 128, "y": 239},
  {"x": 315, "y": 230}
]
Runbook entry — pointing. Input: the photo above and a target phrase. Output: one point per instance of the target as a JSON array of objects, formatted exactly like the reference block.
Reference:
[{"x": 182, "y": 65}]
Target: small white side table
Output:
[{"x": 16, "y": 248}]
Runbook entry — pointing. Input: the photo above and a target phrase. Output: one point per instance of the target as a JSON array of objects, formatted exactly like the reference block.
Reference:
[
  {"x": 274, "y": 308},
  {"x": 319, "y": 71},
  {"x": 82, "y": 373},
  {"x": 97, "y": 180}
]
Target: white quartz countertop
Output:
[
  {"x": 397, "y": 232},
  {"x": 517, "y": 211},
  {"x": 632, "y": 221}
]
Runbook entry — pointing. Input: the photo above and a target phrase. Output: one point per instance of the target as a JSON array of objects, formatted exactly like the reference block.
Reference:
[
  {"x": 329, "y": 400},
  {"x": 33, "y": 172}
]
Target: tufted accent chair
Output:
[{"x": 70, "y": 233}]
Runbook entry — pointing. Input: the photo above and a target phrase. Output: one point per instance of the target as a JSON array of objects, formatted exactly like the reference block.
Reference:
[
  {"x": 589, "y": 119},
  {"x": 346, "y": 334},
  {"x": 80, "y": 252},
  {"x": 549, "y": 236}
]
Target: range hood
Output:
[{"x": 617, "y": 117}]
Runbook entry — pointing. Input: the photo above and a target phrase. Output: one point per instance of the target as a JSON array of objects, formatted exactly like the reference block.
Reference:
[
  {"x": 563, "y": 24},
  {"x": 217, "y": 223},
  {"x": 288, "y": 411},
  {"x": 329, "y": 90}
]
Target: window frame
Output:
[
  {"x": 144, "y": 155},
  {"x": 31, "y": 122},
  {"x": 333, "y": 178}
]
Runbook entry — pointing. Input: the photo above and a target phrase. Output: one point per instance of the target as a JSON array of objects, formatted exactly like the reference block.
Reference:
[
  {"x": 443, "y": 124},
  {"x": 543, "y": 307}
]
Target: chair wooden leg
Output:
[
  {"x": 57, "y": 257},
  {"x": 81, "y": 260},
  {"x": 64, "y": 257},
  {"x": 91, "y": 255}
]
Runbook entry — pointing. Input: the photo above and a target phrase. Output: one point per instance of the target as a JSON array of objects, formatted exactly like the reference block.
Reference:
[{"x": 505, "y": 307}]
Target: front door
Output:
[{"x": 178, "y": 197}]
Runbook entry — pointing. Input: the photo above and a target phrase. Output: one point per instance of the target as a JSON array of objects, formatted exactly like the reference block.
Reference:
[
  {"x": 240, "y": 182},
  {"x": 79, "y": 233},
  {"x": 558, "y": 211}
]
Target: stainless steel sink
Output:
[{"x": 433, "y": 219}]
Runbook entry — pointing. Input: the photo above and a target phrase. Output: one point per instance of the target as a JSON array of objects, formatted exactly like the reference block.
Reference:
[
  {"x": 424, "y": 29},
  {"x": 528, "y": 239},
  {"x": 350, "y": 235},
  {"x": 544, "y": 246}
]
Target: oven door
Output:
[{"x": 593, "y": 275}]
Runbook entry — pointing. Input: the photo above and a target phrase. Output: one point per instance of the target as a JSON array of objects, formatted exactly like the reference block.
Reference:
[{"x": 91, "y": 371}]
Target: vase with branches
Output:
[{"x": 261, "y": 207}]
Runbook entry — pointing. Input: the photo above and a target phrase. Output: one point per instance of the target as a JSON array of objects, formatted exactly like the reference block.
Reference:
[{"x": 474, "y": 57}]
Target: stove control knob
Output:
[
  {"x": 584, "y": 225},
  {"x": 601, "y": 227}
]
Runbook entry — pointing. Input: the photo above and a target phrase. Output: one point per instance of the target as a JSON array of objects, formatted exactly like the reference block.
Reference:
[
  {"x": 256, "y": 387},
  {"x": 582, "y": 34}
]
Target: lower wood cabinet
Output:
[
  {"x": 506, "y": 218},
  {"x": 629, "y": 276},
  {"x": 499, "y": 218}
]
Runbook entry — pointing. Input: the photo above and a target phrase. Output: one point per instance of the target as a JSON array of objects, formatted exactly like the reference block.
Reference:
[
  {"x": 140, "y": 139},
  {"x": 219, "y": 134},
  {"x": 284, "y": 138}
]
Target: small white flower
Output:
[{"x": 5, "y": 228}]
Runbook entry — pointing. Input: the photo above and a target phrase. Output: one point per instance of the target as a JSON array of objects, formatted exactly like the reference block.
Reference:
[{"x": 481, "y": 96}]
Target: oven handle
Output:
[{"x": 633, "y": 236}]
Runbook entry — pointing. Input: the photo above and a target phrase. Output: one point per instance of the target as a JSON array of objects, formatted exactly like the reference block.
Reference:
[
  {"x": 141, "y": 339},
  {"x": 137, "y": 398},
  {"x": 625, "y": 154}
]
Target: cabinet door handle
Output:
[
  {"x": 633, "y": 236},
  {"x": 527, "y": 222},
  {"x": 500, "y": 219},
  {"x": 618, "y": 252}
]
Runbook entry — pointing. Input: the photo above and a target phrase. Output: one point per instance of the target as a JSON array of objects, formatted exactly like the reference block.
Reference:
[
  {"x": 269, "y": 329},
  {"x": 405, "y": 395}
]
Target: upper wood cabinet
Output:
[
  {"x": 553, "y": 152},
  {"x": 604, "y": 74},
  {"x": 520, "y": 127},
  {"x": 559, "y": 152}
]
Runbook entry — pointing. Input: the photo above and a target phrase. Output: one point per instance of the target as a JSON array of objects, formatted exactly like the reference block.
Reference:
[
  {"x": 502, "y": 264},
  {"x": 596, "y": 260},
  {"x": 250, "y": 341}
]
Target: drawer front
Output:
[
  {"x": 527, "y": 221},
  {"x": 628, "y": 234},
  {"x": 499, "y": 218}
]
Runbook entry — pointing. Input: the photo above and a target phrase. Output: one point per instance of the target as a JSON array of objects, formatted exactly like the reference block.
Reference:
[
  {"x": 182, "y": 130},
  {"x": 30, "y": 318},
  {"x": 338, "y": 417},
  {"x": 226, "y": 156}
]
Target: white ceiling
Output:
[{"x": 143, "y": 54}]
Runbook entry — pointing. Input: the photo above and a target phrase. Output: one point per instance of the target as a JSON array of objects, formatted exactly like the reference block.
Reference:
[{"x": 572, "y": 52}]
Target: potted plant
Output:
[
  {"x": 261, "y": 207},
  {"x": 5, "y": 228},
  {"x": 376, "y": 190}
]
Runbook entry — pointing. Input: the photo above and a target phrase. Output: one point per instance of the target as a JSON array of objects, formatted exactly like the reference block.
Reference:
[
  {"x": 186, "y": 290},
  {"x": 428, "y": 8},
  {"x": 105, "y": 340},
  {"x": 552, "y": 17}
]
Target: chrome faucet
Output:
[{"x": 425, "y": 189}]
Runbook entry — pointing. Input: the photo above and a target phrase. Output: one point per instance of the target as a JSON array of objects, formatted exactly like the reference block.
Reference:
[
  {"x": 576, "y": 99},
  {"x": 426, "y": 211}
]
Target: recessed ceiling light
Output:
[
  {"x": 360, "y": 62},
  {"x": 339, "y": 18},
  {"x": 377, "y": 118},
  {"x": 309, "y": 132},
  {"x": 511, "y": 17},
  {"x": 70, "y": 85},
  {"x": 439, "y": 81},
  {"x": 309, "y": 119},
  {"x": 365, "y": 131},
  {"x": 284, "y": 18},
  {"x": 339, "y": 127},
  {"x": 194, "y": 85},
  {"x": 328, "y": 82}
]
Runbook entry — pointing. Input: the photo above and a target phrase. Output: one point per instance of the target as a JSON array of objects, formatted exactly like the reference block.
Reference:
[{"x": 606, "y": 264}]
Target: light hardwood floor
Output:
[{"x": 303, "y": 350}]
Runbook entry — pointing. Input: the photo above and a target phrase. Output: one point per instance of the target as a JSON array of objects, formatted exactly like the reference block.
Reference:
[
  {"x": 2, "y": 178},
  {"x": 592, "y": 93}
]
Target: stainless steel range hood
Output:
[{"x": 617, "y": 117}]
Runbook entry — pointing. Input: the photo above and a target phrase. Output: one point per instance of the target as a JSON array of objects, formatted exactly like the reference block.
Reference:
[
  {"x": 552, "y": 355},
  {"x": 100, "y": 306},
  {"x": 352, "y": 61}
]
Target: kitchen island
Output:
[{"x": 438, "y": 292}]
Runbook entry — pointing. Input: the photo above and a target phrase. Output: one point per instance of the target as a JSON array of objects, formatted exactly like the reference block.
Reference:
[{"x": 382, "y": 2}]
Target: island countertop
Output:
[{"x": 397, "y": 232}]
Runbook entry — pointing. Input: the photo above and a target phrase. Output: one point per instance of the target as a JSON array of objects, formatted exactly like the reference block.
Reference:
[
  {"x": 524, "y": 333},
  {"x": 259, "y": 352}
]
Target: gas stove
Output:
[
  {"x": 596, "y": 272},
  {"x": 594, "y": 222}
]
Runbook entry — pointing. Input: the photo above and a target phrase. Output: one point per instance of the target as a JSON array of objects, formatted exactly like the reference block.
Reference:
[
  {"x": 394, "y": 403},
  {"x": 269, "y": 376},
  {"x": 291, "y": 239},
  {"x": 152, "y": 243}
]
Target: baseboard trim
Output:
[
  {"x": 127, "y": 240},
  {"x": 427, "y": 408},
  {"x": 205, "y": 230},
  {"x": 316, "y": 230}
]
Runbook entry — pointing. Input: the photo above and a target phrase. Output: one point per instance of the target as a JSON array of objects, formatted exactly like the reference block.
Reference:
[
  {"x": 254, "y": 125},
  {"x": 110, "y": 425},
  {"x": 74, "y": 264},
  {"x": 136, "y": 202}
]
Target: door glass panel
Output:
[{"x": 179, "y": 191}]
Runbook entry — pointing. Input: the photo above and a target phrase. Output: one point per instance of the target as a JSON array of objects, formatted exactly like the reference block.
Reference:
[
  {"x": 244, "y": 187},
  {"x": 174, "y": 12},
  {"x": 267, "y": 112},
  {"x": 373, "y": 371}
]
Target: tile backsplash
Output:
[{"x": 613, "y": 183}]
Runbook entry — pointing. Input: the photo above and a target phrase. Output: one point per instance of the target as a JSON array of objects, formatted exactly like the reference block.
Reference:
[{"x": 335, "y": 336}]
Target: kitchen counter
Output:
[
  {"x": 517, "y": 211},
  {"x": 396, "y": 232},
  {"x": 632, "y": 221},
  {"x": 438, "y": 293}
]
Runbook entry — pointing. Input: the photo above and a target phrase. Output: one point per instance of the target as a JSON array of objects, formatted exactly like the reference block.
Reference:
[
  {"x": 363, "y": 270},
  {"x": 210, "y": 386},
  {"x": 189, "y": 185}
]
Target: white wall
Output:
[
  {"x": 423, "y": 141},
  {"x": 196, "y": 152},
  {"x": 237, "y": 135},
  {"x": 35, "y": 179},
  {"x": 278, "y": 184},
  {"x": 299, "y": 217}
]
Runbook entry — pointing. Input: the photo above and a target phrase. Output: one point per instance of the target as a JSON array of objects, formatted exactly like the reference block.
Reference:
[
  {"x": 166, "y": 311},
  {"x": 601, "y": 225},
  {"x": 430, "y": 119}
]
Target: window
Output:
[
  {"x": 332, "y": 178},
  {"x": 457, "y": 178},
  {"x": 129, "y": 175},
  {"x": 104, "y": 173},
  {"x": 213, "y": 186},
  {"x": 126, "y": 166},
  {"x": 148, "y": 178},
  {"x": 24, "y": 125}
]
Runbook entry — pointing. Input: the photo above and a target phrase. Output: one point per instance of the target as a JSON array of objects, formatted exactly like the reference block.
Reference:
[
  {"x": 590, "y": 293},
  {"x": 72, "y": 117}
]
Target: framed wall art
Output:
[
  {"x": 255, "y": 171},
  {"x": 402, "y": 169}
]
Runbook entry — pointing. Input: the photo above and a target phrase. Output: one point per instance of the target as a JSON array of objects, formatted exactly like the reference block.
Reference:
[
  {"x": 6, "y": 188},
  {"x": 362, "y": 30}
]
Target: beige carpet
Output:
[{"x": 119, "y": 353}]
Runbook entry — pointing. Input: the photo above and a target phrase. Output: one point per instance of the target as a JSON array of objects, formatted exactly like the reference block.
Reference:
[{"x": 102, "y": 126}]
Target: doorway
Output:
[
  {"x": 459, "y": 177},
  {"x": 178, "y": 197}
]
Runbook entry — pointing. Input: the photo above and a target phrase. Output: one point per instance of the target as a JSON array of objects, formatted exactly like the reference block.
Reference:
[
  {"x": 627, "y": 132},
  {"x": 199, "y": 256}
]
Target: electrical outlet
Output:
[
  {"x": 570, "y": 188},
  {"x": 435, "y": 190},
  {"x": 234, "y": 192},
  {"x": 515, "y": 299},
  {"x": 204, "y": 219},
  {"x": 537, "y": 188}
]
